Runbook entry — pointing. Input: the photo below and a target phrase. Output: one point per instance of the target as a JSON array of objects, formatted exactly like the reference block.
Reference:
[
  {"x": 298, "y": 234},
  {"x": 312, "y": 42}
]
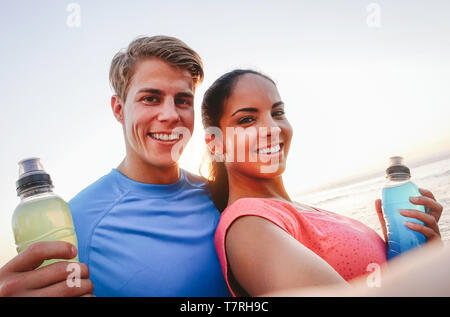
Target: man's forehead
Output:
[
  {"x": 154, "y": 85},
  {"x": 161, "y": 75}
]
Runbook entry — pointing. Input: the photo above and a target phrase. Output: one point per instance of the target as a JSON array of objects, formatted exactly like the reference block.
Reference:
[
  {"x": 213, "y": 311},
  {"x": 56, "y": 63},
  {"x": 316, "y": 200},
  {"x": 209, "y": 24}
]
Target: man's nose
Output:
[{"x": 168, "y": 111}]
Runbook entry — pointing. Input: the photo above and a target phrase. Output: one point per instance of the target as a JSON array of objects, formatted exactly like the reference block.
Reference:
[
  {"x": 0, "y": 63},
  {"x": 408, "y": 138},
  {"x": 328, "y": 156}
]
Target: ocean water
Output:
[{"x": 358, "y": 200}]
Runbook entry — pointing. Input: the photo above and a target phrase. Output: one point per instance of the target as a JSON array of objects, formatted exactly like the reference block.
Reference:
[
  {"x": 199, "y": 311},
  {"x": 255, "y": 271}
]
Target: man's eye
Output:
[
  {"x": 150, "y": 99},
  {"x": 182, "y": 102},
  {"x": 247, "y": 119}
]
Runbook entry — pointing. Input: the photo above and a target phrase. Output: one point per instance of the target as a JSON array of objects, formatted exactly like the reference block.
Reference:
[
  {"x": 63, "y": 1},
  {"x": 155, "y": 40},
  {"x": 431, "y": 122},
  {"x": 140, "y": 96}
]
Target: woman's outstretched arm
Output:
[
  {"x": 264, "y": 258},
  {"x": 421, "y": 272}
]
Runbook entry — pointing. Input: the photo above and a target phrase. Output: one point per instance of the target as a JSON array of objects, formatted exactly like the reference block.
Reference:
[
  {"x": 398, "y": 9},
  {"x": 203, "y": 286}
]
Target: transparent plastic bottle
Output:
[
  {"x": 395, "y": 196},
  {"x": 41, "y": 215}
]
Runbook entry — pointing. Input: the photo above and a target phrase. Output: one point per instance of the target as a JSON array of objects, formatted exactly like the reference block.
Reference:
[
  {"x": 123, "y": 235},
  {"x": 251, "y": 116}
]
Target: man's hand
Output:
[{"x": 19, "y": 276}]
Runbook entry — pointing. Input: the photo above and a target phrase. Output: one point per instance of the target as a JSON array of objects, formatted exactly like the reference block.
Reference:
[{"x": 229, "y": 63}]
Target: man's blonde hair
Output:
[{"x": 170, "y": 49}]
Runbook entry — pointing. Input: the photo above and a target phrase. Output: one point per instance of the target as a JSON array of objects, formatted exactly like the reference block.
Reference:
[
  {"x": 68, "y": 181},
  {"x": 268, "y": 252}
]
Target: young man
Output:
[{"x": 146, "y": 228}]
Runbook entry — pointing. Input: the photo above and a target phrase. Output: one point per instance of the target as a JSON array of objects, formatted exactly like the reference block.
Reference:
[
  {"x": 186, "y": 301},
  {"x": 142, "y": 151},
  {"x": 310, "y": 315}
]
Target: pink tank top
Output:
[{"x": 346, "y": 244}]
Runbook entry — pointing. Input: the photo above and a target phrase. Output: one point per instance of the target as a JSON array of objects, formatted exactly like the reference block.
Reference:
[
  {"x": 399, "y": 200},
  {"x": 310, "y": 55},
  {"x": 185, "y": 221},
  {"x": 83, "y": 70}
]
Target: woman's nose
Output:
[
  {"x": 270, "y": 127},
  {"x": 268, "y": 132}
]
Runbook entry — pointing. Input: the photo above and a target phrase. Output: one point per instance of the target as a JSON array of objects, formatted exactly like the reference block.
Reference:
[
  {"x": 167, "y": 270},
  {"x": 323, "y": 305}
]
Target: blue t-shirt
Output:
[{"x": 143, "y": 239}]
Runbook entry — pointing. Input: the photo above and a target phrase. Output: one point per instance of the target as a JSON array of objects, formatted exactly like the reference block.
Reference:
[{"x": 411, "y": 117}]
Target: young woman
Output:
[{"x": 265, "y": 241}]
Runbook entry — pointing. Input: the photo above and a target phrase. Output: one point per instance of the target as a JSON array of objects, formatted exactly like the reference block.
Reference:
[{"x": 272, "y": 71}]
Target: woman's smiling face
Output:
[{"x": 255, "y": 128}]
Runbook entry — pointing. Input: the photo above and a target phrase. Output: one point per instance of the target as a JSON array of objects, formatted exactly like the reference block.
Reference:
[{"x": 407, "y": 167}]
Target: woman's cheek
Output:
[
  {"x": 241, "y": 144},
  {"x": 246, "y": 145},
  {"x": 289, "y": 134}
]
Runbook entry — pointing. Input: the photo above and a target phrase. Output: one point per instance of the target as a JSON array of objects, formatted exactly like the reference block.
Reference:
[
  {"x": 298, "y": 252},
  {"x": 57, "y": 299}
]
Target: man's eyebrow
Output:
[
  {"x": 151, "y": 90},
  {"x": 155, "y": 91},
  {"x": 276, "y": 104},
  {"x": 185, "y": 94}
]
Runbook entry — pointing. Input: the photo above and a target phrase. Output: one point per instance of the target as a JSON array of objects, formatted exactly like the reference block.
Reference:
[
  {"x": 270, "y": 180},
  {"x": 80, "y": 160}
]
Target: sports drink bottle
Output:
[
  {"x": 41, "y": 215},
  {"x": 395, "y": 195}
]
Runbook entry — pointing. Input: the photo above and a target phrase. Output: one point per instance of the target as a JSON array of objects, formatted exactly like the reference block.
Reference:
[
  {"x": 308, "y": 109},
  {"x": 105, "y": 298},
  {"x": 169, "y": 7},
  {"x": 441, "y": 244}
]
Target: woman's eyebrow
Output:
[
  {"x": 246, "y": 110},
  {"x": 276, "y": 104}
]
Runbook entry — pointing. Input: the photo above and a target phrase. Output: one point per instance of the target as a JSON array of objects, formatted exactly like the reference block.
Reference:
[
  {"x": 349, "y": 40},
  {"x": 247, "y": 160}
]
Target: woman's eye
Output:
[
  {"x": 278, "y": 113},
  {"x": 246, "y": 120}
]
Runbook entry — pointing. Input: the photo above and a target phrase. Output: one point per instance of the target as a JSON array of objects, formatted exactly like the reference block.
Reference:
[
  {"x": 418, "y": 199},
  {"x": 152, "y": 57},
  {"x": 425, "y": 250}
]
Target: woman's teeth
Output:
[
  {"x": 165, "y": 136},
  {"x": 270, "y": 150}
]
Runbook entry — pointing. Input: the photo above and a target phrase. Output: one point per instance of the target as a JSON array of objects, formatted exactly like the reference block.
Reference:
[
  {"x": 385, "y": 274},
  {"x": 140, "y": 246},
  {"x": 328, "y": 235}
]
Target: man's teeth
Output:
[
  {"x": 165, "y": 137},
  {"x": 269, "y": 150}
]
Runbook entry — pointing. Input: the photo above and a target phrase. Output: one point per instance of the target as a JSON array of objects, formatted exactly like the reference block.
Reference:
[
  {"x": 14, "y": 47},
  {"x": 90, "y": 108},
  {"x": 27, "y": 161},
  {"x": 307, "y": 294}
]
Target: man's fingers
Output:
[
  {"x": 56, "y": 272},
  {"x": 22, "y": 282},
  {"x": 33, "y": 256},
  {"x": 64, "y": 289}
]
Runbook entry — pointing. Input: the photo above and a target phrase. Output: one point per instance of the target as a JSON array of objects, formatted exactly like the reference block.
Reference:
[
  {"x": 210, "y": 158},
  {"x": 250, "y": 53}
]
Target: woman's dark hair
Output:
[{"x": 212, "y": 111}]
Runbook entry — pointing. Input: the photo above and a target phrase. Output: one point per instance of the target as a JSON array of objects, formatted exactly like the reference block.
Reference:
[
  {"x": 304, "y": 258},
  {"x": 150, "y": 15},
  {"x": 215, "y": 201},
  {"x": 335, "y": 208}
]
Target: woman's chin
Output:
[
  {"x": 265, "y": 171},
  {"x": 270, "y": 174}
]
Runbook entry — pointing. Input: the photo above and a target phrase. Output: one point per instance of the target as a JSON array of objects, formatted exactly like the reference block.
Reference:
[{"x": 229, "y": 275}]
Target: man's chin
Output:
[{"x": 161, "y": 163}]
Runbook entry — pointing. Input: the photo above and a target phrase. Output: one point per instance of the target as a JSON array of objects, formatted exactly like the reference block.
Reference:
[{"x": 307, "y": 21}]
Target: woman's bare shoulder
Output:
[{"x": 302, "y": 206}]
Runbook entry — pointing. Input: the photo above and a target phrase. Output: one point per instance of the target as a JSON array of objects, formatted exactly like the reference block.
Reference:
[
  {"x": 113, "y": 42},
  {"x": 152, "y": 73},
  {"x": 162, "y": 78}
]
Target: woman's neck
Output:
[{"x": 242, "y": 186}]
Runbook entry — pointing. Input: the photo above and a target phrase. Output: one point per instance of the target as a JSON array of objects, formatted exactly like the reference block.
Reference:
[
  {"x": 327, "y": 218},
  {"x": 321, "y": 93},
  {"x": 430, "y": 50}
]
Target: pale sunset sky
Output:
[{"x": 361, "y": 81}]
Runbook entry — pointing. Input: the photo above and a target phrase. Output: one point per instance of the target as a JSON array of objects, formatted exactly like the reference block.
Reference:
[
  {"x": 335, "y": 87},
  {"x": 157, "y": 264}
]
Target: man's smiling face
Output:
[{"x": 160, "y": 99}]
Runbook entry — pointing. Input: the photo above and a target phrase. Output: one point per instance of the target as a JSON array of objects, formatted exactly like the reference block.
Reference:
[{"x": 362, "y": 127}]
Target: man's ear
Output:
[{"x": 117, "y": 108}]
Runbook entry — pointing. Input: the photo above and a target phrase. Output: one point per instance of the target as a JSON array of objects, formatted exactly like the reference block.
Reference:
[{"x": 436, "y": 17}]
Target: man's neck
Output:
[{"x": 141, "y": 171}]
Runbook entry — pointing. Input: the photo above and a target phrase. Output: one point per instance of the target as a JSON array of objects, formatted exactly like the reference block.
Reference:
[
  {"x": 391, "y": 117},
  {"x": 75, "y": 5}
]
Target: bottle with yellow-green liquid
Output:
[{"x": 41, "y": 215}]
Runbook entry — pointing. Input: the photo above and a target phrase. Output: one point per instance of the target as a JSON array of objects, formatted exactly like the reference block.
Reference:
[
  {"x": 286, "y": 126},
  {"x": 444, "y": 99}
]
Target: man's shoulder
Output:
[
  {"x": 102, "y": 189},
  {"x": 194, "y": 180},
  {"x": 107, "y": 190}
]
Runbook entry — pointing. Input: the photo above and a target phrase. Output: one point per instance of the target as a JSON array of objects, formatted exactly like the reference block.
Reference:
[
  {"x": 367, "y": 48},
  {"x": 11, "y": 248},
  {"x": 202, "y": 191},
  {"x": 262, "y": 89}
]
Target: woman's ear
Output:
[
  {"x": 208, "y": 140},
  {"x": 214, "y": 143},
  {"x": 117, "y": 108}
]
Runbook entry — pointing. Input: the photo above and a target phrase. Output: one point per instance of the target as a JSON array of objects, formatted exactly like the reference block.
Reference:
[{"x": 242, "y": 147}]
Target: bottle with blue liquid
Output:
[{"x": 395, "y": 196}]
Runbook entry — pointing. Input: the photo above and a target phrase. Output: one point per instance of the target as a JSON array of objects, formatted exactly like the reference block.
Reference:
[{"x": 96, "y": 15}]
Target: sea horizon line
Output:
[{"x": 356, "y": 179}]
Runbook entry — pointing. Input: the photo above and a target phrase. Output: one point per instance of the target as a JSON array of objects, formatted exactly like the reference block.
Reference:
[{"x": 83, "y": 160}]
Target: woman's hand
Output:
[
  {"x": 379, "y": 210},
  {"x": 433, "y": 209},
  {"x": 430, "y": 229}
]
